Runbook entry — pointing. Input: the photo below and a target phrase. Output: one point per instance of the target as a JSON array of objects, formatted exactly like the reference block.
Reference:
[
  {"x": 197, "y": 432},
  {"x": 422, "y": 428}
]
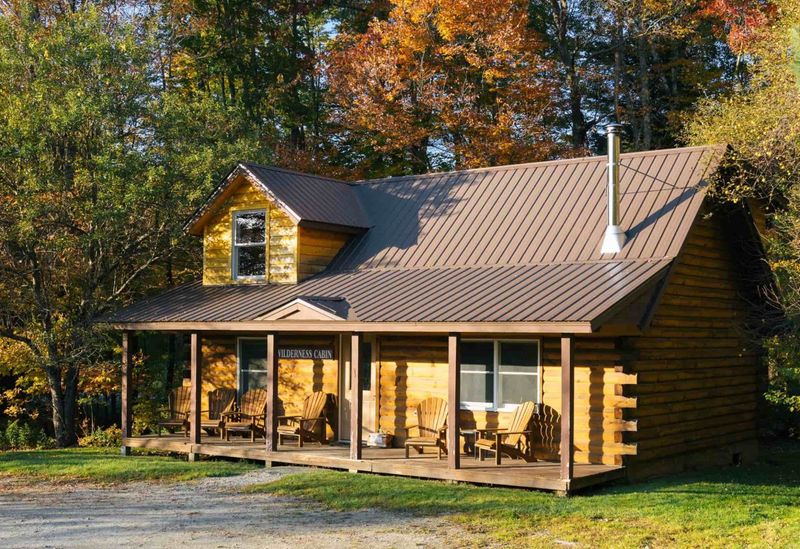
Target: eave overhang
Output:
[{"x": 354, "y": 326}]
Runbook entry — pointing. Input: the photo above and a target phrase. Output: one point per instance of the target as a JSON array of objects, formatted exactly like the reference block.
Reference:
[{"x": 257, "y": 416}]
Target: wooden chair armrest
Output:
[
  {"x": 490, "y": 429},
  {"x": 311, "y": 419},
  {"x": 296, "y": 418},
  {"x": 516, "y": 433}
]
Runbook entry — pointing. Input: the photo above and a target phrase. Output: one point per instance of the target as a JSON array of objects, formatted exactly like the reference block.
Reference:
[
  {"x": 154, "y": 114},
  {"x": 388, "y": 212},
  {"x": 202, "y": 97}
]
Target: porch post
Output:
[
  {"x": 195, "y": 404},
  {"x": 567, "y": 406},
  {"x": 270, "y": 421},
  {"x": 126, "y": 421},
  {"x": 453, "y": 400},
  {"x": 355, "y": 396}
]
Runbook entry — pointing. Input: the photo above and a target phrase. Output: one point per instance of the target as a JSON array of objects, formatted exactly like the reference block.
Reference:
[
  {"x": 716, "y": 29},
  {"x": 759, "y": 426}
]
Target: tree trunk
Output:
[
  {"x": 63, "y": 398},
  {"x": 644, "y": 90}
]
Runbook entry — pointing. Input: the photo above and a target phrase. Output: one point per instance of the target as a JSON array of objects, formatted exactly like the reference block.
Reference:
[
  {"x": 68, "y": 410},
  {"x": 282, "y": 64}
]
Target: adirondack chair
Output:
[
  {"x": 307, "y": 427},
  {"x": 431, "y": 420},
  {"x": 178, "y": 409},
  {"x": 509, "y": 440},
  {"x": 220, "y": 401},
  {"x": 249, "y": 417}
]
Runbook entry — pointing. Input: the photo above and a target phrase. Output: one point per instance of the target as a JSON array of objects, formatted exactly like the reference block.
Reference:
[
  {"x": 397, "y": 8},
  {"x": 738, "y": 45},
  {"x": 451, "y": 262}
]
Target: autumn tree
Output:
[
  {"x": 442, "y": 83},
  {"x": 98, "y": 166},
  {"x": 760, "y": 119}
]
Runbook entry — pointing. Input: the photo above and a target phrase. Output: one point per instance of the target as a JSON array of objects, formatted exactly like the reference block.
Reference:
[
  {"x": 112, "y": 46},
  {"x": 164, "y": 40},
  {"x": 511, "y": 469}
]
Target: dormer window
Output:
[{"x": 250, "y": 244}]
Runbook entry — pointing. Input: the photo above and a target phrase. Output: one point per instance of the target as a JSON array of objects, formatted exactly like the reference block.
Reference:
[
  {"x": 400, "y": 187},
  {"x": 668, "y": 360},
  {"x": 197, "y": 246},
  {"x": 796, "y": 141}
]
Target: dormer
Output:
[{"x": 268, "y": 225}]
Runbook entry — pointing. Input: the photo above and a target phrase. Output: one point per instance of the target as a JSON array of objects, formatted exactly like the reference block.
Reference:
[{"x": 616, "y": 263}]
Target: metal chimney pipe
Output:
[{"x": 614, "y": 238}]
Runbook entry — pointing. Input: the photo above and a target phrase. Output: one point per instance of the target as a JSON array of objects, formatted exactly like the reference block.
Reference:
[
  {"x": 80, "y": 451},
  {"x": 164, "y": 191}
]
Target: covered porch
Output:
[
  {"x": 540, "y": 475},
  {"x": 555, "y": 470}
]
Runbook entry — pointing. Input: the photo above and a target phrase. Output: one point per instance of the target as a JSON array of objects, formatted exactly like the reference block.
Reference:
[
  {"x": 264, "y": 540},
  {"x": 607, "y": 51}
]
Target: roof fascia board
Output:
[
  {"x": 198, "y": 219},
  {"x": 265, "y": 189},
  {"x": 332, "y": 227},
  {"x": 354, "y": 326},
  {"x": 204, "y": 208},
  {"x": 614, "y": 309}
]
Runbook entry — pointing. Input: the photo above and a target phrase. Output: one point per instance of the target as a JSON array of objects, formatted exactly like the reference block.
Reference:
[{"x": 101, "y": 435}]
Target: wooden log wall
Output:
[
  {"x": 218, "y": 235},
  {"x": 316, "y": 249},
  {"x": 696, "y": 365},
  {"x": 415, "y": 368}
]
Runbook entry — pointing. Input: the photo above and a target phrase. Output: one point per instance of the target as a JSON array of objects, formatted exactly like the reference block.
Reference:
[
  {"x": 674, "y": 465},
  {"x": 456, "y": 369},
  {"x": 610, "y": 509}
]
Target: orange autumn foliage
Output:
[{"x": 445, "y": 83}]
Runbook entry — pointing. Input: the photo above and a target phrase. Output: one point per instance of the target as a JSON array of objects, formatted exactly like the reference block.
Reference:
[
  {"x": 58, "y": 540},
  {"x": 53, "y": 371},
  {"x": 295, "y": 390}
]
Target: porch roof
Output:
[{"x": 584, "y": 292}]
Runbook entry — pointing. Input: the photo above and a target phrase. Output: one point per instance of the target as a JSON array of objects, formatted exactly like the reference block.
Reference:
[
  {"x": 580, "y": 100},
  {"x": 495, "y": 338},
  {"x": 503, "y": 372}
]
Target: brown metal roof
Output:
[
  {"x": 506, "y": 244},
  {"x": 565, "y": 292},
  {"x": 304, "y": 197},
  {"x": 547, "y": 212}
]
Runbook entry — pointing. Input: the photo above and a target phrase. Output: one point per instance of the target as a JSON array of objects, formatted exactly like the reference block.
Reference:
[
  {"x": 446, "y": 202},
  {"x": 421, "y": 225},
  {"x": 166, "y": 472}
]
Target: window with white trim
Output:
[
  {"x": 250, "y": 244},
  {"x": 252, "y": 363},
  {"x": 499, "y": 374}
]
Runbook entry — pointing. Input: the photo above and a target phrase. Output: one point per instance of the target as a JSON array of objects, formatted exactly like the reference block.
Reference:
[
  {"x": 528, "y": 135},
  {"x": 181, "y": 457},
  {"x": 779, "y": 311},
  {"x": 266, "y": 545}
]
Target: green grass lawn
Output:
[
  {"x": 757, "y": 505},
  {"x": 106, "y": 465}
]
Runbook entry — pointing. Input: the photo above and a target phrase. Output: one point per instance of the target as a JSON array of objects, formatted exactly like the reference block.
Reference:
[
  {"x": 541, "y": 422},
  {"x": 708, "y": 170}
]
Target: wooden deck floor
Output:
[{"x": 513, "y": 473}]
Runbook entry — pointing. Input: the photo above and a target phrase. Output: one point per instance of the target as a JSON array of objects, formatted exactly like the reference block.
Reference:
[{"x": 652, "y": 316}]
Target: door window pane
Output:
[
  {"x": 365, "y": 366},
  {"x": 252, "y": 364},
  {"x": 477, "y": 372}
]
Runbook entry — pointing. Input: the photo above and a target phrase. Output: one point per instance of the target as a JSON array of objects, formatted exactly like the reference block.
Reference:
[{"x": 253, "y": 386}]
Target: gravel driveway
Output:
[{"x": 204, "y": 513}]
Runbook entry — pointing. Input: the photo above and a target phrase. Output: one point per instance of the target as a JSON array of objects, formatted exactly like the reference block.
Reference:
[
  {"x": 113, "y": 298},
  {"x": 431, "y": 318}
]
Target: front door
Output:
[{"x": 368, "y": 375}]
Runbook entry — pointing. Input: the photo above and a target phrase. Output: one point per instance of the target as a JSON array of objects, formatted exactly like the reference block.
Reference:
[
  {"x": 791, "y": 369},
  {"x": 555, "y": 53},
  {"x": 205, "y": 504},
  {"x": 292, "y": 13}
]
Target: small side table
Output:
[{"x": 470, "y": 436}]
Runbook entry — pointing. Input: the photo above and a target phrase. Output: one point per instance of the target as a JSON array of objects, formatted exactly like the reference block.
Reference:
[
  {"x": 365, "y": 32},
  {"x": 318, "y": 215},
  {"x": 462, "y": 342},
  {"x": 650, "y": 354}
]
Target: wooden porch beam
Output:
[
  {"x": 270, "y": 421},
  {"x": 567, "y": 406},
  {"x": 126, "y": 422},
  {"x": 356, "y": 407},
  {"x": 453, "y": 400},
  {"x": 195, "y": 404}
]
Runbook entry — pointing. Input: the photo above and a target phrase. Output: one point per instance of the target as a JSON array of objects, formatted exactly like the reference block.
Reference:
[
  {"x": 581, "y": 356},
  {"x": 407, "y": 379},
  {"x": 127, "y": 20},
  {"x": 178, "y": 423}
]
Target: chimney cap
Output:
[{"x": 614, "y": 127}]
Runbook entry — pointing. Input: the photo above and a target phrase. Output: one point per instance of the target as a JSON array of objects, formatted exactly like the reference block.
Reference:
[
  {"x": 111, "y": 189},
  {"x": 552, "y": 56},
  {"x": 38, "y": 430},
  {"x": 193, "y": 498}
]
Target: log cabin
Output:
[{"x": 610, "y": 291}]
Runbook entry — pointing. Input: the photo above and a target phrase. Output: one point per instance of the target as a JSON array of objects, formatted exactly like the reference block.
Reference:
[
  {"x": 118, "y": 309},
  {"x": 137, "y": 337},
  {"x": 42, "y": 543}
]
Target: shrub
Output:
[
  {"x": 19, "y": 435},
  {"x": 783, "y": 394},
  {"x": 103, "y": 438}
]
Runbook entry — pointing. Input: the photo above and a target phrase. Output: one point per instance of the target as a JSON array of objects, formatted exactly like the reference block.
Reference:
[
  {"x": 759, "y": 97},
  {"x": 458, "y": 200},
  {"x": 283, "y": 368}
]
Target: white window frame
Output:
[
  {"x": 239, "y": 341},
  {"x": 492, "y": 406},
  {"x": 235, "y": 247}
]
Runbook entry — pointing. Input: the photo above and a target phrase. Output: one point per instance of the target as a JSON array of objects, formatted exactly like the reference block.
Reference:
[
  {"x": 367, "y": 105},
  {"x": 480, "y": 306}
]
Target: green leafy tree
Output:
[{"x": 99, "y": 163}]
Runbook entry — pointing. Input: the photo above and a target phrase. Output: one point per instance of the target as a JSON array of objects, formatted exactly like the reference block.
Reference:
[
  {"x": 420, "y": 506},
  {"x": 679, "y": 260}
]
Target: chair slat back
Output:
[
  {"x": 254, "y": 402},
  {"x": 313, "y": 407},
  {"x": 431, "y": 416},
  {"x": 219, "y": 401},
  {"x": 179, "y": 402},
  {"x": 520, "y": 421}
]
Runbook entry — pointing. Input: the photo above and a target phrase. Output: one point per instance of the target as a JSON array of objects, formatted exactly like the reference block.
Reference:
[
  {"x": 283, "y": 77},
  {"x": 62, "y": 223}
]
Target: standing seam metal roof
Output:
[{"x": 504, "y": 244}]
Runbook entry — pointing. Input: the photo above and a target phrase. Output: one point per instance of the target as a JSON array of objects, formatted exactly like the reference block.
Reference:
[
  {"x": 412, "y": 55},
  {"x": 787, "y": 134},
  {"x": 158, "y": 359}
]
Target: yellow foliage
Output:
[{"x": 464, "y": 74}]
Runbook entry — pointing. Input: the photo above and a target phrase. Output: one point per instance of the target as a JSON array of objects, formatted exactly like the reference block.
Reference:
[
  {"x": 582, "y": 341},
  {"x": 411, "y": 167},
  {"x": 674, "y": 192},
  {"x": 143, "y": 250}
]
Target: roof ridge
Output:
[
  {"x": 557, "y": 161},
  {"x": 295, "y": 172}
]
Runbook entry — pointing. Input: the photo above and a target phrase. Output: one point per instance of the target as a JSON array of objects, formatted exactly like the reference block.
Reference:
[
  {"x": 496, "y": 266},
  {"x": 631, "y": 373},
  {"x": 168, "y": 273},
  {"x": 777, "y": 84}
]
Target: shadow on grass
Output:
[{"x": 710, "y": 501}]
